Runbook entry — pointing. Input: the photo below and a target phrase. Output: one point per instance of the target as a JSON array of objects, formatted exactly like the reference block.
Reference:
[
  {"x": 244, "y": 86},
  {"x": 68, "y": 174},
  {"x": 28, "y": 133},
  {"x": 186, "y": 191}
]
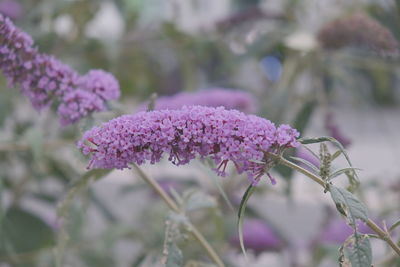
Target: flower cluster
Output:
[
  {"x": 358, "y": 29},
  {"x": 230, "y": 99},
  {"x": 337, "y": 231},
  {"x": 44, "y": 79},
  {"x": 11, "y": 8},
  {"x": 223, "y": 135},
  {"x": 258, "y": 236}
]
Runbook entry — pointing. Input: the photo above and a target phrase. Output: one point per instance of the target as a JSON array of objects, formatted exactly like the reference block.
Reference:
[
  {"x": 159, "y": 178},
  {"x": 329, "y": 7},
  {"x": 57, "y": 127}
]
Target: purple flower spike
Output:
[
  {"x": 230, "y": 99},
  {"x": 44, "y": 79},
  {"x": 338, "y": 231},
  {"x": 223, "y": 135},
  {"x": 101, "y": 83},
  {"x": 11, "y": 8},
  {"x": 303, "y": 153},
  {"x": 258, "y": 237},
  {"x": 77, "y": 104}
]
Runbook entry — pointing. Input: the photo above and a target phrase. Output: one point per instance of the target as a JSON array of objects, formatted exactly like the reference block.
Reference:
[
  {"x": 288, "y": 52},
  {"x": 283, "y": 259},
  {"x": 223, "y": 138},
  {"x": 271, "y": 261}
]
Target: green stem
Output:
[
  {"x": 173, "y": 206},
  {"x": 296, "y": 167},
  {"x": 384, "y": 235}
]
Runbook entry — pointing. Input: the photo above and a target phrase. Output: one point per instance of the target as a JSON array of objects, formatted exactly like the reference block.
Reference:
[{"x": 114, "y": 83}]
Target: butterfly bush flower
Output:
[
  {"x": 358, "y": 29},
  {"x": 303, "y": 153},
  {"x": 45, "y": 80},
  {"x": 11, "y": 8},
  {"x": 230, "y": 99},
  {"x": 78, "y": 103},
  {"x": 337, "y": 231},
  {"x": 223, "y": 135},
  {"x": 258, "y": 236}
]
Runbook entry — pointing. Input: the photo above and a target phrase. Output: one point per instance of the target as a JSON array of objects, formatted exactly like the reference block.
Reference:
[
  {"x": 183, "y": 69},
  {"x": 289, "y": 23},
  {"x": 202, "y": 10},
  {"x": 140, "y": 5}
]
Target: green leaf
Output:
[
  {"x": 242, "y": 208},
  {"x": 341, "y": 171},
  {"x": 217, "y": 182},
  {"x": 173, "y": 256},
  {"x": 306, "y": 141},
  {"x": 358, "y": 250},
  {"x": 336, "y": 154},
  {"x": 394, "y": 226},
  {"x": 22, "y": 232},
  {"x": 307, "y": 163},
  {"x": 348, "y": 204}
]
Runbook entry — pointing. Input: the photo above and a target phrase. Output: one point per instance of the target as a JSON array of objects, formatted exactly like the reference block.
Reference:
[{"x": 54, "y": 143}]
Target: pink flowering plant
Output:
[
  {"x": 44, "y": 79},
  {"x": 206, "y": 163},
  {"x": 253, "y": 144}
]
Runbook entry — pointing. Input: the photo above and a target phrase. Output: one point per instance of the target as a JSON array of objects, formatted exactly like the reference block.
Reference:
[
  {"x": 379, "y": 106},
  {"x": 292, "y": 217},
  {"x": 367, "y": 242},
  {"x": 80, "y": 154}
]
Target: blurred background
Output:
[{"x": 328, "y": 68}]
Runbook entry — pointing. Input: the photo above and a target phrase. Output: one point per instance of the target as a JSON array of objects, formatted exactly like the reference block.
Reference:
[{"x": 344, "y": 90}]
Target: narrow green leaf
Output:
[
  {"x": 358, "y": 251},
  {"x": 394, "y": 226},
  {"x": 307, "y": 163},
  {"x": 312, "y": 152},
  {"x": 217, "y": 183},
  {"x": 352, "y": 207},
  {"x": 306, "y": 141},
  {"x": 336, "y": 154},
  {"x": 172, "y": 255},
  {"x": 242, "y": 208},
  {"x": 341, "y": 171}
]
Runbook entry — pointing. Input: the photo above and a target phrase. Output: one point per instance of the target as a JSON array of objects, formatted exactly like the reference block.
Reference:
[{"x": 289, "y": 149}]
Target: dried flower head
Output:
[
  {"x": 223, "y": 135},
  {"x": 230, "y": 99},
  {"x": 44, "y": 79},
  {"x": 358, "y": 29}
]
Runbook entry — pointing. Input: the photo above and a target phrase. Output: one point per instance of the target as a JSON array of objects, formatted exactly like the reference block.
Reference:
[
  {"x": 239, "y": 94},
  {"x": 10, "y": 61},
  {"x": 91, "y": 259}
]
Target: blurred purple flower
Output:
[
  {"x": 11, "y": 8},
  {"x": 337, "y": 231},
  {"x": 303, "y": 153},
  {"x": 358, "y": 29},
  {"x": 334, "y": 130},
  {"x": 44, "y": 79},
  {"x": 258, "y": 236},
  {"x": 167, "y": 185},
  {"x": 224, "y": 135},
  {"x": 216, "y": 97}
]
